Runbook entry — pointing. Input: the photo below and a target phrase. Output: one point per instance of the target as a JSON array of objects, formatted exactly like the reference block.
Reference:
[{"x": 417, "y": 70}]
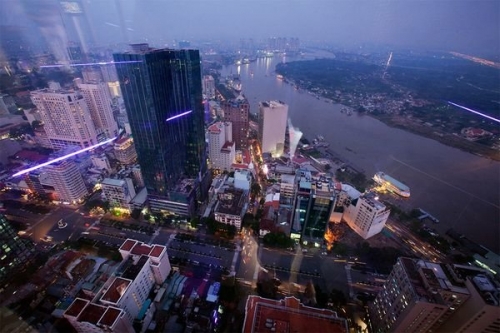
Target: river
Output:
[{"x": 460, "y": 189}]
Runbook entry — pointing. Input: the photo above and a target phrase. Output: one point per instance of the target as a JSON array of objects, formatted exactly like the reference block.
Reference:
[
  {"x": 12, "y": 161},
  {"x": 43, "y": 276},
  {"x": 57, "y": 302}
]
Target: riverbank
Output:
[{"x": 451, "y": 140}]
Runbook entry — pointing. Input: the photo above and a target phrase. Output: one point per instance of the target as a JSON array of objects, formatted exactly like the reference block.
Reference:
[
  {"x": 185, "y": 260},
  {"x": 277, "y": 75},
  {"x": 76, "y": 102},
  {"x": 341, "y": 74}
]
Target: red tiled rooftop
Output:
[
  {"x": 247, "y": 158},
  {"x": 29, "y": 155},
  {"x": 214, "y": 128},
  {"x": 116, "y": 290},
  {"x": 92, "y": 313},
  {"x": 141, "y": 249},
  {"x": 157, "y": 250},
  {"x": 110, "y": 316},
  {"x": 227, "y": 145},
  {"x": 239, "y": 166},
  {"x": 76, "y": 307},
  {"x": 289, "y": 315},
  {"x": 128, "y": 244},
  {"x": 121, "y": 141}
]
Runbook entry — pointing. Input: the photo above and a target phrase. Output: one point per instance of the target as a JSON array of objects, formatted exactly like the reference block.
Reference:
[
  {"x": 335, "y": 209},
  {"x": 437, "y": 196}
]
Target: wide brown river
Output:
[{"x": 460, "y": 189}]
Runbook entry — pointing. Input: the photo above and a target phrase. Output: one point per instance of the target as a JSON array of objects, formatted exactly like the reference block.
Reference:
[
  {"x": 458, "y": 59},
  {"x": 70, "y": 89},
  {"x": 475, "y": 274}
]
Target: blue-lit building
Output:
[
  {"x": 162, "y": 91},
  {"x": 315, "y": 198}
]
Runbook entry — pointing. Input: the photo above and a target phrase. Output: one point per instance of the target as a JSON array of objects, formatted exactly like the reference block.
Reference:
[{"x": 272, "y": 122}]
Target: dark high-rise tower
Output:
[
  {"x": 162, "y": 91},
  {"x": 236, "y": 111}
]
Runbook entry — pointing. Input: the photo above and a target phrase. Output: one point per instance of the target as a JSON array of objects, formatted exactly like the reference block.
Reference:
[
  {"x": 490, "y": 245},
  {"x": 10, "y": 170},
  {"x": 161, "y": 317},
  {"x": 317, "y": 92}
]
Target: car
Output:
[{"x": 46, "y": 239}]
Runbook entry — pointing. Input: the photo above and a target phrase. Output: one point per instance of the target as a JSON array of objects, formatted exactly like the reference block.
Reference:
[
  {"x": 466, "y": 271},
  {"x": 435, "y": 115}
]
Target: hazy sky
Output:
[
  {"x": 450, "y": 24},
  {"x": 463, "y": 25}
]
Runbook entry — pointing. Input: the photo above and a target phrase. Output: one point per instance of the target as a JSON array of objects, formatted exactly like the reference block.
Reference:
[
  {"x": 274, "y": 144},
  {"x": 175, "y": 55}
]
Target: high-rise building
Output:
[
  {"x": 221, "y": 147},
  {"x": 66, "y": 118},
  {"x": 314, "y": 202},
  {"x": 366, "y": 215},
  {"x": 208, "y": 86},
  {"x": 273, "y": 116},
  {"x": 481, "y": 312},
  {"x": 99, "y": 101},
  {"x": 236, "y": 111},
  {"x": 15, "y": 252},
  {"x": 162, "y": 92},
  {"x": 68, "y": 181},
  {"x": 418, "y": 296}
]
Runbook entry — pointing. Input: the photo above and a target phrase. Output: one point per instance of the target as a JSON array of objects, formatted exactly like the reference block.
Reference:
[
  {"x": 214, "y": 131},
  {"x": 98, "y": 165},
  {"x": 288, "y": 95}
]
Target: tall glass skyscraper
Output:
[{"x": 162, "y": 91}]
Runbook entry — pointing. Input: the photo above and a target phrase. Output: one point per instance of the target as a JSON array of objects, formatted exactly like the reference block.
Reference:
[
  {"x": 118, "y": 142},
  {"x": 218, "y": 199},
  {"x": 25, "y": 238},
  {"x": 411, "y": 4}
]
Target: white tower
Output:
[
  {"x": 66, "y": 118},
  {"x": 221, "y": 149},
  {"x": 98, "y": 100},
  {"x": 273, "y": 117}
]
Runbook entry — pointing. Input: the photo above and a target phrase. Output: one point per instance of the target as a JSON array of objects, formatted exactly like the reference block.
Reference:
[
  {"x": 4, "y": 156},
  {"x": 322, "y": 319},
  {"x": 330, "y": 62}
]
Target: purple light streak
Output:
[
  {"x": 476, "y": 112},
  {"x": 179, "y": 115},
  {"x": 63, "y": 157},
  {"x": 90, "y": 64}
]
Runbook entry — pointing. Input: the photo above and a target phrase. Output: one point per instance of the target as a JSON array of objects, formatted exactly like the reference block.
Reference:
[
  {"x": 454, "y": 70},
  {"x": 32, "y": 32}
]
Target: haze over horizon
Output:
[{"x": 465, "y": 25}]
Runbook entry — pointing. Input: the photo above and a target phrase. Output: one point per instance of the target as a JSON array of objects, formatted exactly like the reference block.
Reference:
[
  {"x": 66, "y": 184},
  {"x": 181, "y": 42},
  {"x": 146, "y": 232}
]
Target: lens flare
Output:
[
  {"x": 179, "y": 115},
  {"x": 90, "y": 64},
  {"x": 63, "y": 157},
  {"x": 473, "y": 111}
]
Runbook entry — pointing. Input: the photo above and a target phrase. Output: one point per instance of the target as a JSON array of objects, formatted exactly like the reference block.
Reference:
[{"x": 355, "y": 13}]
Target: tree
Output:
[
  {"x": 195, "y": 222},
  {"x": 136, "y": 213},
  {"x": 255, "y": 189}
]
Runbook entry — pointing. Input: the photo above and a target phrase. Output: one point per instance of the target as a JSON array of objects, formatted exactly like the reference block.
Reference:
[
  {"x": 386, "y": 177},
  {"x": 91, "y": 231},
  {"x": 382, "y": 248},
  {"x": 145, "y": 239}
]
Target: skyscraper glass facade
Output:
[{"x": 159, "y": 84}]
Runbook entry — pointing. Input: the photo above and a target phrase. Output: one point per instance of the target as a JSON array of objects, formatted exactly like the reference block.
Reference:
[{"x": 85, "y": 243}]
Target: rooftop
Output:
[
  {"x": 289, "y": 315},
  {"x": 110, "y": 316},
  {"x": 116, "y": 290},
  {"x": 128, "y": 245},
  {"x": 76, "y": 307},
  {"x": 231, "y": 201},
  {"x": 113, "y": 182},
  {"x": 157, "y": 251},
  {"x": 92, "y": 313}
]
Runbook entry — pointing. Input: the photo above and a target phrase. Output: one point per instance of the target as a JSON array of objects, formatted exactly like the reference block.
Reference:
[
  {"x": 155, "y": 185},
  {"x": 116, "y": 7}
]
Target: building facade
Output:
[
  {"x": 208, "y": 86},
  {"x": 124, "y": 150},
  {"x": 231, "y": 206},
  {"x": 418, "y": 296},
  {"x": 162, "y": 91},
  {"x": 66, "y": 118},
  {"x": 273, "y": 117},
  {"x": 67, "y": 181},
  {"x": 236, "y": 111},
  {"x": 119, "y": 193},
  {"x": 15, "y": 252},
  {"x": 221, "y": 148},
  {"x": 99, "y": 101},
  {"x": 314, "y": 201},
  {"x": 366, "y": 215}
]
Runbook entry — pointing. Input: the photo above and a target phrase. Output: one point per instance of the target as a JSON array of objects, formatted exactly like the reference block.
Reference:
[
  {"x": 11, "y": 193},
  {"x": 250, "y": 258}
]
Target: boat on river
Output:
[{"x": 392, "y": 184}]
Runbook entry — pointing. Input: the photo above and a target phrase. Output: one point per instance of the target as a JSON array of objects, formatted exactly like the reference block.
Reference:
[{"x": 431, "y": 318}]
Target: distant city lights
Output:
[
  {"x": 62, "y": 157},
  {"x": 90, "y": 64},
  {"x": 473, "y": 111},
  {"x": 179, "y": 115}
]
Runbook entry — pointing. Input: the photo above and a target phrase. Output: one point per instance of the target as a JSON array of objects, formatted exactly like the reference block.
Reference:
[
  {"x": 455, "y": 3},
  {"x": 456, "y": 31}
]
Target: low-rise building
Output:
[
  {"x": 124, "y": 150},
  {"x": 231, "y": 206},
  {"x": 119, "y": 193},
  {"x": 289, "y": 315}
]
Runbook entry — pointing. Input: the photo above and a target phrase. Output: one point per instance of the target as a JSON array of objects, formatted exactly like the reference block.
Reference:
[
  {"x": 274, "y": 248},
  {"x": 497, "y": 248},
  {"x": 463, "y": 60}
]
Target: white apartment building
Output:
[
  {"x": 124, "y": 150},
  {"x": 119, "y": 192},
  {"x": 67, "y": 181},
  {"x": 100, "y": 162},
  {"x": 366, "y": 215},
  {"x": 208, "y": 86},
  {"x": 87, "y": 317},
  {"x": 273, "y": 117},
  {"x": 221, "y": 148},
  {"x": 99, "y": 101},
  {"x": 66, "y": 117},
  {"x": 124, "y": 295},
  {"x": 242, "y": 179}
]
